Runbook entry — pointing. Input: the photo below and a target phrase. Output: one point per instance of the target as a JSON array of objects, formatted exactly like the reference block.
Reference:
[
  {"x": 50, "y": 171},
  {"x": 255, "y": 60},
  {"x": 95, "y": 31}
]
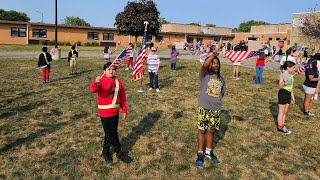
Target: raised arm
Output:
[{"x": 207, "y": 63}]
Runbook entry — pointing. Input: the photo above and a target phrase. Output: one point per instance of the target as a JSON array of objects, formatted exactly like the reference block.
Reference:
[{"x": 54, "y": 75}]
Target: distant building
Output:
[{"x": 13, "y": 32}]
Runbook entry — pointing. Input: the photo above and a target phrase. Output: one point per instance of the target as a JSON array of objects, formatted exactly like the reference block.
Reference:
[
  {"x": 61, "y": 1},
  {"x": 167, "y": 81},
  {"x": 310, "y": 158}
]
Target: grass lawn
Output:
[{"x": 52, "y": 131}]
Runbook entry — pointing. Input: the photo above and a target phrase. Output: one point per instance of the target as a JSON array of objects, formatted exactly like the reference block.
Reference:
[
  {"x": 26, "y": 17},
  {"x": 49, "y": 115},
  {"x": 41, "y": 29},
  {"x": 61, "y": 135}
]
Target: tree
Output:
[
  {"x": 210, "y": 25},
  {"x": 310, "y": 27},
  {"x": 164, "y": 21},
  {"x": 130, "y": 21},
  {"x": 75, "y": 21},
  {"x": 246, "y": 26},
  {"x": 13, "y": 16},
  {"x": 195, "y": 24}
]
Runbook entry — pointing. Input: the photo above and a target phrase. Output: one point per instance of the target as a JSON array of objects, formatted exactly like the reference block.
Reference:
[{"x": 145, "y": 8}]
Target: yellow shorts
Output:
[
  {"x": 208, "y": 119},
  {"x": 73, "y": 62}
]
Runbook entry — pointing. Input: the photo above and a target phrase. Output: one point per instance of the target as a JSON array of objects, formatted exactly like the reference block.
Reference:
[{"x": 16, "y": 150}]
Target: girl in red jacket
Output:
[{"x": 111, "y": 97}]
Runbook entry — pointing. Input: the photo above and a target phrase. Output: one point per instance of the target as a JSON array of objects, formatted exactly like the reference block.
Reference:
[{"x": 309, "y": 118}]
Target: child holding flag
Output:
[
  {"x": 111, "y": 97},
  {"x": 212, "y": 89}
]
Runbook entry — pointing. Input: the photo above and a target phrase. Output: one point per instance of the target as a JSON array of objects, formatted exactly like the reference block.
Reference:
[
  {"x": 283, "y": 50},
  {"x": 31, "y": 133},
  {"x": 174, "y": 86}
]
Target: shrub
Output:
[
  {"x": 87, "y": 44},
  {"x": 43, "y": 42},
  {"x": 78, "y": 43}
]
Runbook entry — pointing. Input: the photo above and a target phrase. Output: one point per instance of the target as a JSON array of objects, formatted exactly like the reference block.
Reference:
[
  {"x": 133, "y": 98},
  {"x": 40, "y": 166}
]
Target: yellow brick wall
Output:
[{"x": 5, "y": 34}]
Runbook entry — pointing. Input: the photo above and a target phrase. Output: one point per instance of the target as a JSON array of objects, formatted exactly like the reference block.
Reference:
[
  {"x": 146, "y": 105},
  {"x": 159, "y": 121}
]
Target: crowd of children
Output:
[{"x": 111, "y": 96}]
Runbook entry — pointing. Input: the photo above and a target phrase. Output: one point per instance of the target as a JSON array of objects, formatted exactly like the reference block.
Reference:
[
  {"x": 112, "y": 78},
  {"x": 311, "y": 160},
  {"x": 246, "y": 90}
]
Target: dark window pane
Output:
[
  {"x": 14, "y": 32},
  {"x": 159, "y": 38},
  {"x": 190, "y": 40},
  {"x": 22, "y": 32}
]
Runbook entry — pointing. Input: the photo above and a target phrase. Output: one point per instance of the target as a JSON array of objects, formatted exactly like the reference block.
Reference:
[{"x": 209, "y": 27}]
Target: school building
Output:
[{"x": 12, "y": 32}]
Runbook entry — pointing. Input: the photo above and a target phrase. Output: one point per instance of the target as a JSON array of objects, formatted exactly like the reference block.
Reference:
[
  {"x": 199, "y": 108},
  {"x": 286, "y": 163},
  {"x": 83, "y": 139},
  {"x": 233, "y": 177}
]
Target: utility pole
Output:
[
  {"x": 41, "y": 15},
  {"x": 56, "y": 24}
]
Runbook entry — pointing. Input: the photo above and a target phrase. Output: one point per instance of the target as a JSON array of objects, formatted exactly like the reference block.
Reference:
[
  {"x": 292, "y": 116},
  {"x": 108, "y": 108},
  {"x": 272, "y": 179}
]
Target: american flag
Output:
[
  {"x": 138, "y": 67},
  {"x": 129, "y": 50},
  {"x": 297, "y": 52},
  {"x": 238, "y": 56},
  {"x": 117, "y": 62},
  {"x": 303, "y": 68}
]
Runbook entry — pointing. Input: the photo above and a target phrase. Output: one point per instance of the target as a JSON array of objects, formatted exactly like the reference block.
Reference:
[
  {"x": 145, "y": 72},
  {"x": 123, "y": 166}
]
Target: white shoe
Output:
[
  {"x": 315, "y": 97},
  {"x": 237, "y": 78},
  {"x": 150, "y": 89},
  {"x": 157, "y": 90}
]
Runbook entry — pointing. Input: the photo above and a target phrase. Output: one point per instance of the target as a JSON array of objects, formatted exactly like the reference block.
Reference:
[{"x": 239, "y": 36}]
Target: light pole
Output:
[
  {"x": 41, "y": 15},
  {"x": 56, "y": 25}
]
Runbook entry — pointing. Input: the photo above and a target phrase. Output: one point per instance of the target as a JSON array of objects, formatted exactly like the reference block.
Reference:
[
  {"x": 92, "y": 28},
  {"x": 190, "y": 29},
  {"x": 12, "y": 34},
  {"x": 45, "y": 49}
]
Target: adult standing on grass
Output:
[
  {"x": 285, "y": 95},
  {"x": 174, "y": 57},
  {"x": 44, "y": 63},
  {"x": 153, "y": 61},
  {"x": 111, "y": 97},
  {"x": 310, "y": 85},
  {"x": 212, "y": 89},
  {"x": 72, "y": 59}
]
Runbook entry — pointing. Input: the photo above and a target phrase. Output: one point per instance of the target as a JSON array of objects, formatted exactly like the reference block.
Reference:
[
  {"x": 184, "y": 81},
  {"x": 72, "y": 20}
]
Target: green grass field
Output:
[{"x": 52, "y": 131}]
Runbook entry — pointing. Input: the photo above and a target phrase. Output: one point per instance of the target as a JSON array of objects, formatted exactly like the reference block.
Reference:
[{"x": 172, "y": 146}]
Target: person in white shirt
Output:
[{"x": 153, "y": 62}]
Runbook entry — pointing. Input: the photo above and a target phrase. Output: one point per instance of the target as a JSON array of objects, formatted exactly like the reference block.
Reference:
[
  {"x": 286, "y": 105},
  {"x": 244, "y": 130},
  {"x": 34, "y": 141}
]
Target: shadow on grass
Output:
[
  {"x": 274, "y": 110},
  {"x": 48, "y": 129},
  {"x": 219, "y": 134},
  {"x": 180, "y": 67},
  {"x": 299, "y": 103},
  {"x": 143, "y": 127},
  {"x": 163, "y": 83},
  {"x": 28, "y": 107},
  {"x": 68, "y": 76},
  {"x": 24, "y": 95}
]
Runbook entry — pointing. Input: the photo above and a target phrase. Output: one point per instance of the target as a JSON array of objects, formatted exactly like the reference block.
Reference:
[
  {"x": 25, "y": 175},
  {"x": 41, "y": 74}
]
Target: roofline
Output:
[
  {"x": 200, "y": 25},
  {"x": 59, "y": 25},
  {"x": 261, "y": 33},
  {"x": 307, "y": 12},
  {"x": 195, "y": 34}
]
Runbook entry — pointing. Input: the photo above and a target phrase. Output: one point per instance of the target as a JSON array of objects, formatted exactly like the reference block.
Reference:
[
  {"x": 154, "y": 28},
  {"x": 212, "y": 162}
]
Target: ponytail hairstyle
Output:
[
  {"x": 288, "y": 64},
  {"x": 262, "y": 55}
]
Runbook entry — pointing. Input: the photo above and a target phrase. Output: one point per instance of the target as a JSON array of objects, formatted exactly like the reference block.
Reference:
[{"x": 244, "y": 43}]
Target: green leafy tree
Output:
[
  {"x": 210, "y": 25},
  {"x": 246, "y": 26},
  {"x": 75, "y": 21},
  {"x": 196, "y": 24},
  {"x": 13, "y": 16},
  {"x": 164, "y": 21},
  {"x": 130, "y": 21}
]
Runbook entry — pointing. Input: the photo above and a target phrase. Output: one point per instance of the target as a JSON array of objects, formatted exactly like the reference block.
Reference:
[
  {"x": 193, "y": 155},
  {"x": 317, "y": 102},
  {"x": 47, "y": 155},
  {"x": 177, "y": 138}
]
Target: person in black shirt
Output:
[
  {"x": 44, "y": 63},
  {"x": 309, "y": 86}
]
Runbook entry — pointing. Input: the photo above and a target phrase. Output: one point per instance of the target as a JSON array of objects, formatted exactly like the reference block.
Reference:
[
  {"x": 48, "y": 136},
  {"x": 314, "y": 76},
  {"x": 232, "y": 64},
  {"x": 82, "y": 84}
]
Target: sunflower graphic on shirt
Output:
[{"x": 214, "y": 87}]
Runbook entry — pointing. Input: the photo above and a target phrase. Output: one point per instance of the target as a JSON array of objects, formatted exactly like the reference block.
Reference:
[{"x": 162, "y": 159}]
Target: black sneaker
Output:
[
  {"x": 284, "y": 130},
  {"x": 124, "y": 157},
  {"x": 212, "y": 157},
  {"x": 200, "y": 159},
  {"x": 107, "y": 156},
  {"x": 308, "y": 114}
]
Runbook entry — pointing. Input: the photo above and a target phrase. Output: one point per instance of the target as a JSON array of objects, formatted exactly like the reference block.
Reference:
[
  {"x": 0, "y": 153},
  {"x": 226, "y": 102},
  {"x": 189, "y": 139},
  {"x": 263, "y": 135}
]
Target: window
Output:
[
  {"x": 39, "y": 33},
  {"x": 270, "y": 38},
  {"x": 253, "y": 39},
  {"x": 149, "y": 38},
  {"x": 216, "y": 39},
  {"x": 93, "y": 35},
  {"x": 159, "y": 38},
  {"x": 108, "y": 36},
  {"x": 190, "y": 40},
  {"x": 199, "y": 39},
  {"x": 18, "y": 32}
]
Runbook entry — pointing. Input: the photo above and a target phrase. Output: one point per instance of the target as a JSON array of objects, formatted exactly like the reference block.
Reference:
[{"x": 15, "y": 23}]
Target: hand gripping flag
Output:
[
  {"x": 303, "y": 68},
  {"x": 138, "y": 70},
  {"x": 238, "y": 56}
]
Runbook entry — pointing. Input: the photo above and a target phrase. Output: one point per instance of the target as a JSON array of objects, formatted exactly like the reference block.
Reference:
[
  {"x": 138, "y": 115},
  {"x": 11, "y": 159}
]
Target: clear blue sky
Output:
[{"x": 223, "y": 13}]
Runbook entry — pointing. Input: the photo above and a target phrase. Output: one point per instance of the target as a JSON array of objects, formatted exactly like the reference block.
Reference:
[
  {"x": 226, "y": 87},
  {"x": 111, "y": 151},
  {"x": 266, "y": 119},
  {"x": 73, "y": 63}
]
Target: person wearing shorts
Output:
[
  {"x": 72, "y": 59},
  {"x": 285, "y": 95},
  {"x": 310, "y": 85},
  {"x": 212, "y": 89}
]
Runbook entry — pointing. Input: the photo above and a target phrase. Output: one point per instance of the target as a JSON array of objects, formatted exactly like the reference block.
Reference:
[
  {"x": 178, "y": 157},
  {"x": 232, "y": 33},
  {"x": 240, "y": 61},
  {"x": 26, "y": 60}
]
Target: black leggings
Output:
[
  {"x": 173, "y": 66},
  {"x": 111, "y": 137}
]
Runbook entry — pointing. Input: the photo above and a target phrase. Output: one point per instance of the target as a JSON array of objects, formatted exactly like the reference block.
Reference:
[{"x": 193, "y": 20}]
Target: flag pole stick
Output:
[{"x": 145, "y": 30}]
